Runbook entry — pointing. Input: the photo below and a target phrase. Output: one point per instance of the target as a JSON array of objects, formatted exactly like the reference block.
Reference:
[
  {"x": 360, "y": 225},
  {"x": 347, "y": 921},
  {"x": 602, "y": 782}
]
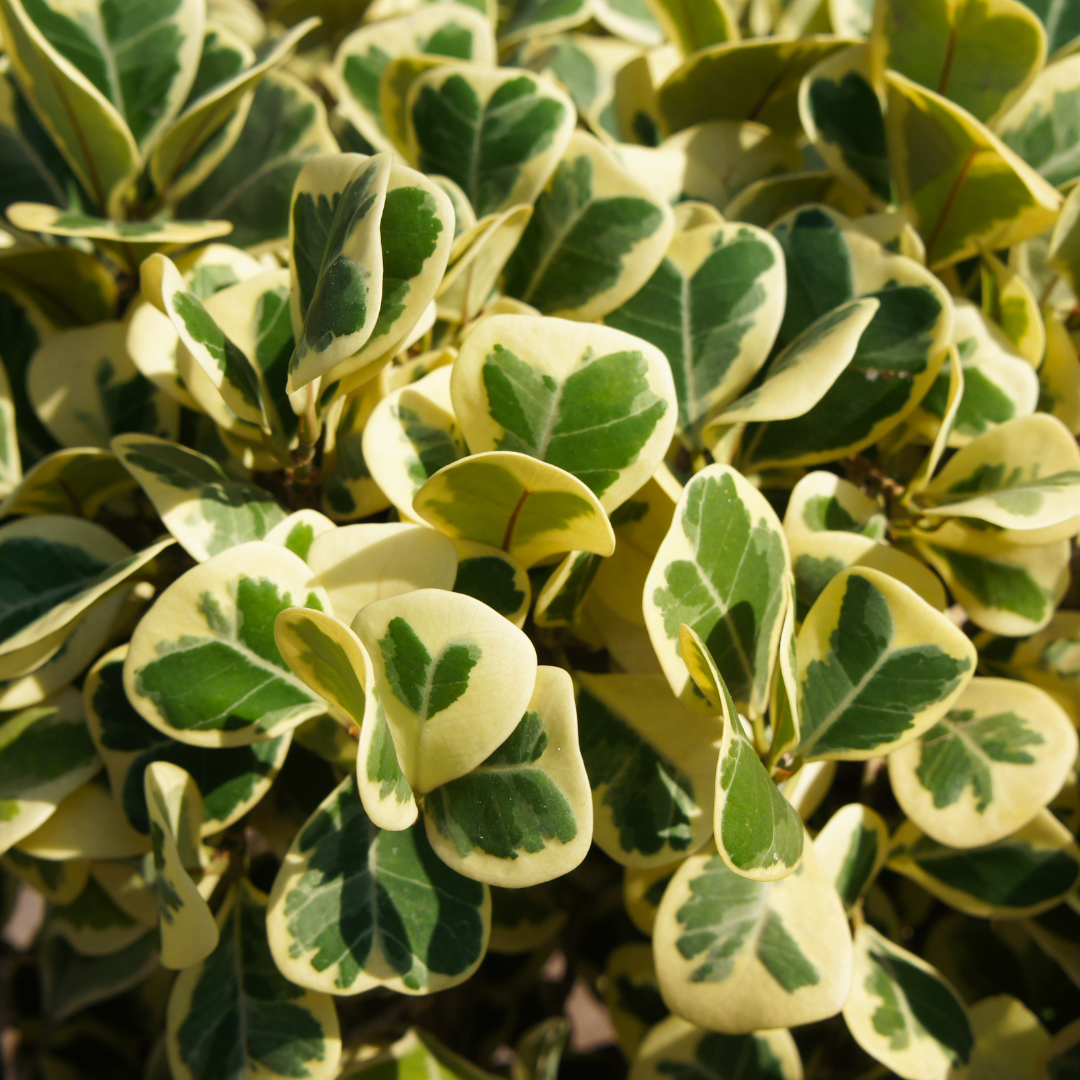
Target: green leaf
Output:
[
  {"x": 878, "y": 666},
  {"x": 903, "y": 1012},
  {"x": 453, "y": 675},
  {"x": 203, "y": 666},
  {"x": 747, "y": 80},
  {"x": 652, "y": 768},
  {"x": 354, "y": 907},
  {"x": 459, "y": 31},
  {"x": 285, "y": 126},
  {"x": 675, "y": 1048},
  {"x": 724, "y": 555},
  {"x": 713, "y": 306},
  {"x": 188, "y": 931},
  {"x": 591, "y": 400},
  {"x": 979, "y": 195},
  {"x": 524, "y": 814},
  {"x": 73, "y": 982},
  {"x": 195, "y": 498},
  {"x": 739, "y": 955},
  {"x": 988, "y": 766},
  {"x": 230, "y": 780},
  {"x": 86, "y": 127},
  {"x": 594, "y": 238},
  {"x": 1024, "y": 874},
  {"x": 235, "y": 1014},
  {"x": 980, "y": 57},
  {"x": 495, "y": 578},
  {"x": 852, "y": 848},
  {"x": 497, "y": 133},
  {"x": 560, "y": 601},
  {"x": 514, "y": 502}
]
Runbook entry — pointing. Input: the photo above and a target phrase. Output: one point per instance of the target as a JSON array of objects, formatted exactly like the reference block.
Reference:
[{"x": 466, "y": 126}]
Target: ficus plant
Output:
[{"x": 536, "y": 539}]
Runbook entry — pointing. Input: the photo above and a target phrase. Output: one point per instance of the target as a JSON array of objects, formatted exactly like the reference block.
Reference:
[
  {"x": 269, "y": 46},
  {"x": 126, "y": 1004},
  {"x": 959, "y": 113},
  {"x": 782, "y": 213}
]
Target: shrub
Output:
[{"x": 612, "y": 477}]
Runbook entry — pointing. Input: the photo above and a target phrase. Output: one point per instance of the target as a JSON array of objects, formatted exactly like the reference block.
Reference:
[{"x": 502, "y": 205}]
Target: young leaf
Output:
[
  {"x": 456, "y": 31},
  {"x": 81, "y": 120},
  {"x": 823, "y": 502},
  {"x": 852, "y": 848},
  {"x": 524, "y": 814},
  {"x": 230, "y": 780},
  {"x": 497, "y": 133},
  {"x": 203, "y": 667},
  {"x": 737, "y": 955},
  {"x": 677, "y": 1048},
  {"x": 982, "y": 197},
  {"x": 988, "y": 766},
  {"x": 652, "y": 768},
  {"x": 354, "y": 907},
  {"x": 1024, "y": 874},
  {"x": 725, "y": 553},
  {"x": 453, "y": 676},
  {"x": 595, "y": 237},
  {"x": 878, "y": 666},
  {"x": 903, "y": 1013},
  {"x": 950, "y": 50},
  {"x": 713, "y": 306},
  {"x": 331, "y": 660},
  {"x": 188, "y": 931},
  {"x": 591, "y": 400},
  {"x": 756, "y": 830},
  {"x": 359, "y": 564},
  {"x": 198, "y": 501},
  {"x": 235, "y": 1014},
  {"x": 45, "y": 754},
  {"x": 514, "y": 502},
  {"x": 744, "y": 80}
]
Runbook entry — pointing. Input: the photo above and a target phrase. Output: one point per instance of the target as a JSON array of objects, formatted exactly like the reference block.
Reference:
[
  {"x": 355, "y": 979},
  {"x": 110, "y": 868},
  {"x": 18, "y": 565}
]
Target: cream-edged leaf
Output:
[
  {"x": 237, "y": 1002},
  {"x": 206, "y": 509},
  {"x": 299, "y": 530},
  {"x": 496, "y": 132},
  {"x": 92, "y": 924},
  {"x": 524, "y": 814},
  {"x": 878, "y": 666},
  {"x": 756, "y": 830},
  {"x": 188, "y": 931},
  {"x": 493, "y": 577},
  {"x": 652, "y": 768},
  {"x": 988, "y": 766},
  {"x": 203, "y": 666},
  {"x": 675, "y": 1047},
  {"x": 595, "y": 237},
  {"x": 515, "y": 502},
  {"x": 737, "y": 955},
  {"x": 87, "y": 824},
  {"x": 824, "y": 502},
  {"x": 1036, "y": 126},
  {"x": 230, "y": 779},
  {"x": 1024, "y": 874},
  {"x": 725, "y": 553},
  {"x": 453, "y": 675},
  {"x": 713, "y": 306},
  {"x": 399, "y": 916},
  {"x": 535, "y": 387},
  {"x": 903, "y": 1013},
  {"x": 852, "y": 849}
]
